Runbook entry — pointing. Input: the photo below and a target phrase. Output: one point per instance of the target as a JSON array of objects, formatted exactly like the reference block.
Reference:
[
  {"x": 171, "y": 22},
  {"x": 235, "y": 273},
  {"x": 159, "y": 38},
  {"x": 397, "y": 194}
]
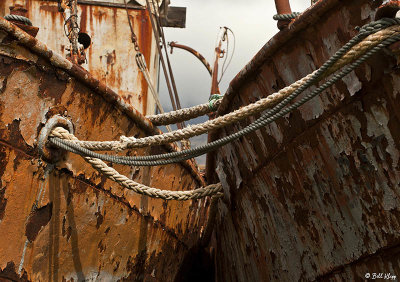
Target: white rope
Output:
[
  {"x": 111, "y": 173},
  {"x": 184, "y": 114},
  {"x": 244, "y": 112}
]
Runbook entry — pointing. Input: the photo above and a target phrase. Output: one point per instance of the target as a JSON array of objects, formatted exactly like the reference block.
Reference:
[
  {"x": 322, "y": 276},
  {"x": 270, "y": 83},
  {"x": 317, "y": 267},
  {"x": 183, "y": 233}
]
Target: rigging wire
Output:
[
  {"x": 223, "y": 70},
  {"x": 171, "y": 75},
  {"x": 157, "y": 37},
  {"x": 141, "y": 64}
]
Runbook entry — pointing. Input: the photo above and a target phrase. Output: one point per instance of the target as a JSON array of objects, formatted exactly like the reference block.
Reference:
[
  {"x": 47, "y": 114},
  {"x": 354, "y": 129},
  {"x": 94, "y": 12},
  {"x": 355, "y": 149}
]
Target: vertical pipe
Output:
[
  {"x": 283, "y": 7},
  {"x": 214, "y": 81},
  {"x": 210, "y": 158}
]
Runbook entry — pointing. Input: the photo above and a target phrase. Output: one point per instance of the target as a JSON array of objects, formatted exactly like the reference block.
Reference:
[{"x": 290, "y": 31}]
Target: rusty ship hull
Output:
[
  {"x": 84, "y": 227},
  {"x": 314, "y": 195}
]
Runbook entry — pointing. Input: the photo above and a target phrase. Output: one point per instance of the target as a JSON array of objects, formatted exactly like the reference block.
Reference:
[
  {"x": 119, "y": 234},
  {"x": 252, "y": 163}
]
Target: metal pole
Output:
[
  {"x": 210, "y": 158},
  {"x": 157, "y": 37},
  {"x": 283, "y": 7},
  {"x": 194, "y": 52}
]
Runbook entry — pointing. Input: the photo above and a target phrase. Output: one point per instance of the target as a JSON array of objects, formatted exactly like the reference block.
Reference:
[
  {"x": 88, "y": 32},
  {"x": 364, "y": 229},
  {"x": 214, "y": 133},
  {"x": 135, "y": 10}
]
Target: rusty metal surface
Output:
[
  {"x": 86, "y": 227},
  {"x": 110, "y": 57},
  {"x": 388, "y": 9},
  {"x": 79, "y": 73},
  {"x": 314, "y": 195}
]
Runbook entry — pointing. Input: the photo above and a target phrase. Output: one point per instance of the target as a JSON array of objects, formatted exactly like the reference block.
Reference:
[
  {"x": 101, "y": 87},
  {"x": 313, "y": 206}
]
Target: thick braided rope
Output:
[
  {"x": 184, "y": 114},
  {"x": 109, "y": 172},
  {"x": 18, "y": 18},
  {"x": 279, "y": 17},
  {"x": 200, "y": 110},
  {"x": 190, "y": 131},
  {"x": 265, "y": 119},
  {"x": 244, "y": 112}
]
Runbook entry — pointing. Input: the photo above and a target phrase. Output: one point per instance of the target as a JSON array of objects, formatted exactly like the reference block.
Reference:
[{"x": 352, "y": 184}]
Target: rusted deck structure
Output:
[
  {"x": 315, "y": 195},
  {"x": 85, "y": 227}
]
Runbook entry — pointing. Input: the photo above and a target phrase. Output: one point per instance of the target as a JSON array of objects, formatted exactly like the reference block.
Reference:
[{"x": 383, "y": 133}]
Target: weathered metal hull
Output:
[
  {"x": 111, "y": 56},
  {"x": 314, "y": 195},
  {"x": 86, "y": 227}
]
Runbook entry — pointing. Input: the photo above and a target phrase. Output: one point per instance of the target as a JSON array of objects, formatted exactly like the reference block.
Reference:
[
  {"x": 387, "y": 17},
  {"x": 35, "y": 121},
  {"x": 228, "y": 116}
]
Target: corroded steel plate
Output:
[
  {"x": 85, "y": 227},
  {"x": 314, "y": 195}
]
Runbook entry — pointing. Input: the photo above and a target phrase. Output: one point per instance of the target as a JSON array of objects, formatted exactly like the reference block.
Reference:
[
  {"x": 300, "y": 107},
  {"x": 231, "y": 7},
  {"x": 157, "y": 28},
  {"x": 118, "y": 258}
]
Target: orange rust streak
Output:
[
  {"x": 83, "y": 21},
  {"x": 2, "y": 8},
  {"x": 145, "y": 39}
]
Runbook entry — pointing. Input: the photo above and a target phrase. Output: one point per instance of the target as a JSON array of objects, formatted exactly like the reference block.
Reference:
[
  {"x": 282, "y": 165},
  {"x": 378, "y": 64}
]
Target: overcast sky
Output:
[{"x": 252, "y": 23}]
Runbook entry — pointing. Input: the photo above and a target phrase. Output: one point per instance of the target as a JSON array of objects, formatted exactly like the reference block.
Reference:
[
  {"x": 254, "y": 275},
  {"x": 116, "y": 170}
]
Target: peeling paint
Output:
[
  {"x": 322, "y": 202},
  {"x": 88, "y": 226}
]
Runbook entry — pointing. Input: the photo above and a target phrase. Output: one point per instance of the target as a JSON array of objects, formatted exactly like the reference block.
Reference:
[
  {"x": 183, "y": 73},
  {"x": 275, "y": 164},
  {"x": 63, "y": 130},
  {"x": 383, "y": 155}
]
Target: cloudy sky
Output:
[{"x": 252, "y": 23}]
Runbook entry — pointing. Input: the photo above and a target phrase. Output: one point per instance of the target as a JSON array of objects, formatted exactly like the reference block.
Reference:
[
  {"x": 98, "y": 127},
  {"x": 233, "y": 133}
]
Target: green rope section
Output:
[{"x": 211, "y": 101}]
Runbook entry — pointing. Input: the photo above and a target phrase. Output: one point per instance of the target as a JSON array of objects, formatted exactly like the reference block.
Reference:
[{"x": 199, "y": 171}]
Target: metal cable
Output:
[
  {"x": 262, "y": 121},
  {"x": 157, "y": 37},
  {"x": 224, "y": 68},
  {"x": 262, "y": 105},
  {"x": 171, "y": 74}
]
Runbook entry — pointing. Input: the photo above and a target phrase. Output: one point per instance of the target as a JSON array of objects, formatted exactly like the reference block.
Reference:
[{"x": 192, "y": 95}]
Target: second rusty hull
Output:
[
  {"x": 86, "y": 228},
  {"x": 315, "y": 195}
]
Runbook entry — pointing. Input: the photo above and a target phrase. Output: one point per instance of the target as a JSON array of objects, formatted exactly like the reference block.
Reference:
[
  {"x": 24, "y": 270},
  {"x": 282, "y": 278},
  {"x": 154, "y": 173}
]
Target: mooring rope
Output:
[
  {"x": 111, "y": 173},
  {"x": 186, "y": 114},
  {"x": 188, "y": 154},
  {"x": 242, "y": 113},
  {"x": 371, "y": 39},
  {"x": 340, "y": 59}
]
